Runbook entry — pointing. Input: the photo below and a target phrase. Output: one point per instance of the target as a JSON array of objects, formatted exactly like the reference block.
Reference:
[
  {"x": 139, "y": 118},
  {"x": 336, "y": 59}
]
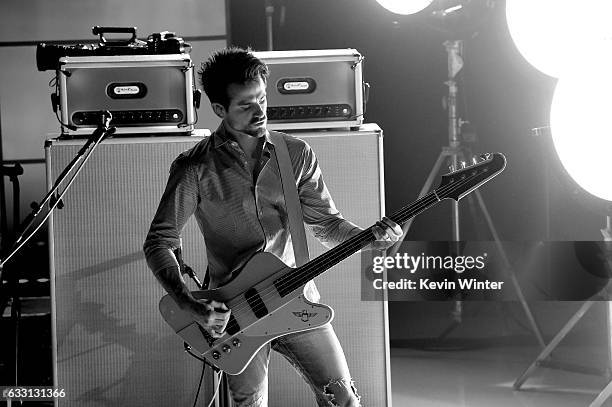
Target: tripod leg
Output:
[
  {"x": 455, "y": 220},
  {"x": 508, "y": 267},
  {"x": 603, "y": 396},
  {"x": 553, "y": 343},
  {"x": 426, "y": 188}
]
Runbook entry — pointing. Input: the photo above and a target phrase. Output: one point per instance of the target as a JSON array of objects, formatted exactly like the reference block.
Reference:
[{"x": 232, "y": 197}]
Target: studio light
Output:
[
  {"x": 404, "y": 7},
  {"x": 580, "y": 121},
  {"x": 548, "y": 33}
]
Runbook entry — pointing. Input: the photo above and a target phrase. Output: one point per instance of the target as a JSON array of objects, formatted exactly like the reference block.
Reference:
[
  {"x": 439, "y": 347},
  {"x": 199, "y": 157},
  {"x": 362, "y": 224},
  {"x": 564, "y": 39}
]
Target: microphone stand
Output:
[{"x": 54, "y": 199}]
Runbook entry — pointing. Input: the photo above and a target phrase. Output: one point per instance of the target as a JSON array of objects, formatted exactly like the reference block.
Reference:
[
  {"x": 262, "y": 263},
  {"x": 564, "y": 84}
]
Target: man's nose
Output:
[{"x": 259, "y": 109}]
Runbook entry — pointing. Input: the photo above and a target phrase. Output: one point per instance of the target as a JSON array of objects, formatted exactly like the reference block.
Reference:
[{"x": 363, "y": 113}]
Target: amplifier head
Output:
[
  {"x": 144, "y": 93},
  {"x": 314, "y": 88}
]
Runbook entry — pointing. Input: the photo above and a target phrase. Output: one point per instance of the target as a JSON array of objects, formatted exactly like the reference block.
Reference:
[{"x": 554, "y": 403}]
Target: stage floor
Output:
[{"x": 484, "y": 375}]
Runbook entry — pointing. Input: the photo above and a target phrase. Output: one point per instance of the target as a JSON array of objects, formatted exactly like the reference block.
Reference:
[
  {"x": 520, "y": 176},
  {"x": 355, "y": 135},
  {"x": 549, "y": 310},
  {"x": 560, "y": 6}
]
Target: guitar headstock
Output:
[{"x": 458, "y": 183}]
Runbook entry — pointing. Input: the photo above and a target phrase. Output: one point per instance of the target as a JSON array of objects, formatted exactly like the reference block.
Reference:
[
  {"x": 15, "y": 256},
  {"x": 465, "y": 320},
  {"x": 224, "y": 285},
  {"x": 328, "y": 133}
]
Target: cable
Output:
[
  {"x": 200, "y": 385},
  {"x": 216, "y": 390},
  {"x": 204, "y": 363},
  {"x": 219, "y": 377},
  {"x": 55, "y": 104}
]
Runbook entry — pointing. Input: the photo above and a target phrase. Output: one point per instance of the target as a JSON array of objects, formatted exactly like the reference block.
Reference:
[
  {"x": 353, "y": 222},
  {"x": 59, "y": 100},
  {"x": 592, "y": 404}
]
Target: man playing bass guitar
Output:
[{"x": 230, "y": 182}]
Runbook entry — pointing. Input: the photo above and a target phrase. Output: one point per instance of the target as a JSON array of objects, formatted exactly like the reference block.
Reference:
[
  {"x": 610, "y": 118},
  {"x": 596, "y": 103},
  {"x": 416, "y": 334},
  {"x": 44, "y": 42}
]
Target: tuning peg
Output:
[
  {"x": 451, "y": 168},
  {"x": 485, "y": 156},
  {"x": 463, "y": 164},
  {"x": 474, "y": 160}
]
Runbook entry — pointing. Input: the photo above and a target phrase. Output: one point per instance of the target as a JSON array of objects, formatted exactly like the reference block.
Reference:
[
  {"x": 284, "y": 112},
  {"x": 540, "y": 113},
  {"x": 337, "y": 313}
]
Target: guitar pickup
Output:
[
  {"x": 232, "y": 325},
  {"x": 256, "y": 303}
]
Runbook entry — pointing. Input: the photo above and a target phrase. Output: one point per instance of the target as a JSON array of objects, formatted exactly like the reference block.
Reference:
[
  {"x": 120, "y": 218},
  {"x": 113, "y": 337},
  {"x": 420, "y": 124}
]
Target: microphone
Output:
[{"x": 103, "y": 126}]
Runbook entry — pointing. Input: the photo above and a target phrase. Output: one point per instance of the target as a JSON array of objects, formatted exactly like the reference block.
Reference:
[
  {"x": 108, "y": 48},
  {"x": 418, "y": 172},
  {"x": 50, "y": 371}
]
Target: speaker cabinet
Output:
[
  {"x": 111, "y": 346},
  {"x": 352, "y": 167}
]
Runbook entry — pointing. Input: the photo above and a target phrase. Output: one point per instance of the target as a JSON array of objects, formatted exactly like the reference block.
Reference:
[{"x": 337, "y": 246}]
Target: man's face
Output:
[{"x": 246, "y": 111}]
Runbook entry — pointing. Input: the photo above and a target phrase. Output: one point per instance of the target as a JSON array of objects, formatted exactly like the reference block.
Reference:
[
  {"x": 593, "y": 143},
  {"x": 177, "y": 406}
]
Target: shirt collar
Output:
[{"x": 221, "y": 136}]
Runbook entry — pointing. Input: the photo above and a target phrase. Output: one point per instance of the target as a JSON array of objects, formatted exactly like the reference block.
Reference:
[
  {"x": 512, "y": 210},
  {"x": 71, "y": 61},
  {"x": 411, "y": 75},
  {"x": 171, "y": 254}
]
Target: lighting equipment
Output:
[
  {"x": 404, "y": 7},
  {"x": 580, "y": 125},
  {"x": 455, "y": 154},
  {"x": 548, "y": 33},
  {"x": 581, "y": 137}
]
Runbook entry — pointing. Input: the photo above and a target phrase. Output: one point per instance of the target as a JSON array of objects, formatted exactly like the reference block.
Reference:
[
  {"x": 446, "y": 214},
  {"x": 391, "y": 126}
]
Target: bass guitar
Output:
[{"x": 266, "y": 298}]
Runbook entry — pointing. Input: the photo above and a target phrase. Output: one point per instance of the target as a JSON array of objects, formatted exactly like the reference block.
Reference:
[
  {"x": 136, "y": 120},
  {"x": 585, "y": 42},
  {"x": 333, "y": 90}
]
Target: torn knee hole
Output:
[{"x": 338, "y": 394}]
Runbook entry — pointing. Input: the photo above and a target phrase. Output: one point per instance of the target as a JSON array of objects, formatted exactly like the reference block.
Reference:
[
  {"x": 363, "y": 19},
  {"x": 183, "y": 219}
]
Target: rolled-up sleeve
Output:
[
  {"x": 179, "y": 201},
  {"x": 321, "y": 216}
]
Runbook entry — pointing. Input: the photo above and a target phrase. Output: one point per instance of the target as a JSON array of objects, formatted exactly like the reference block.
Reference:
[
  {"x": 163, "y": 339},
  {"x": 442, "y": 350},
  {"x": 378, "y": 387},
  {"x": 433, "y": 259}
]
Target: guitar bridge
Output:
[{"x": 208, "y": 337}]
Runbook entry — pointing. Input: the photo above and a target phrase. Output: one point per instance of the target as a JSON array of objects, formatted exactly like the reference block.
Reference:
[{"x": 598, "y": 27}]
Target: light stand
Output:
[
  {"x": 269, "y": 8},
  {"x": 543, "y": 359},
  {"x": 454, "y": 154}
]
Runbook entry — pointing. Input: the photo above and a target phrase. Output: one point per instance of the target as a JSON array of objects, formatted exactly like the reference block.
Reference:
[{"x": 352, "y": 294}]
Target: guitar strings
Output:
[{"x": 347, "y": 248}]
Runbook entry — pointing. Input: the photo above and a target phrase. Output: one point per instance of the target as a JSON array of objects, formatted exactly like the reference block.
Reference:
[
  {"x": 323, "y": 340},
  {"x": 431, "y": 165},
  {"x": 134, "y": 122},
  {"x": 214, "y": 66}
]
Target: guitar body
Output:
[{"x": 259, "y": 318}]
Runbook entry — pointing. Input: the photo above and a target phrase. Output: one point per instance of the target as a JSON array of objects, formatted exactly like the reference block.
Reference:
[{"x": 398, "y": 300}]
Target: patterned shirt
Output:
[{"x": 237, "y": 215}]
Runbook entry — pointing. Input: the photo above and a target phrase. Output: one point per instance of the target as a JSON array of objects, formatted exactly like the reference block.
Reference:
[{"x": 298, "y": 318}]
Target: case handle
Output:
[
  {"x": 366, "y": 95},
  {"x": 98, "y": 30}
]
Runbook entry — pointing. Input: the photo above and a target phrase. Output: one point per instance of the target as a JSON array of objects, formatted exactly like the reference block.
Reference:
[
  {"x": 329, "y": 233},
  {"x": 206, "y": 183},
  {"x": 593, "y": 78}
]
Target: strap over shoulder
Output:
[{"x": 292, "y": 199}]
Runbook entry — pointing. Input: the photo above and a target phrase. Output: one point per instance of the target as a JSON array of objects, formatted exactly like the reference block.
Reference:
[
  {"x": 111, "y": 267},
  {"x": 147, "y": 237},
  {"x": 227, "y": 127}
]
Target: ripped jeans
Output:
[{"x": 317, "y": 356}]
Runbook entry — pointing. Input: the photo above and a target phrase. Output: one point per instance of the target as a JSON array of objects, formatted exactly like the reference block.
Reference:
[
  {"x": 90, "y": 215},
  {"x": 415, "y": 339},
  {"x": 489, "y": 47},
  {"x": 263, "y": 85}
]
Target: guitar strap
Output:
[{"x": 292, "y": 199}]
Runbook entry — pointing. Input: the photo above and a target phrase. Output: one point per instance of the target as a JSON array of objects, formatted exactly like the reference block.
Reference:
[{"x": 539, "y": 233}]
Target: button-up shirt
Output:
[{"x": 238, "y": 213}]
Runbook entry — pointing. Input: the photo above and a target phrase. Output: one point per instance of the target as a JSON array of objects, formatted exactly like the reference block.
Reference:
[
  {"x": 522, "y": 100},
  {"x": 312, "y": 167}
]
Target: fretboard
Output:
[{"x": 301, "y": 275}]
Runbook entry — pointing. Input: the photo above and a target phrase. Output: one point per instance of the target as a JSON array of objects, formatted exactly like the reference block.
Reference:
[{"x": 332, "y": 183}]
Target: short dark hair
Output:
[{"x": 226, "y": 66}]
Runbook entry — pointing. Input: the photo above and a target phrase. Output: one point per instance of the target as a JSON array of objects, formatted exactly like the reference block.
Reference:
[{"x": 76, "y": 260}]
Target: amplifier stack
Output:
[
  {"x": 148, "y": 87},
  {"x": 314, "y": 89},
  {"x": 105, "y": 298},
  {"x": 144, "y": 93}
]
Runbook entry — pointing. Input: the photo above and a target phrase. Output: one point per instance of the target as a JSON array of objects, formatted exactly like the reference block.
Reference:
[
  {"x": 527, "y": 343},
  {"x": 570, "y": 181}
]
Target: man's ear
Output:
[{"x": 218, "y": 109}]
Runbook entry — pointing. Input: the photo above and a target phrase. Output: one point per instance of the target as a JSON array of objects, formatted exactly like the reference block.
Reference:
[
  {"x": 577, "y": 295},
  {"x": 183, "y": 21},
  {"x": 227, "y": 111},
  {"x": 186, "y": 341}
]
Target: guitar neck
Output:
[
  {"x": 301, "y": 275},
  {"x": 454, "y": 185}
]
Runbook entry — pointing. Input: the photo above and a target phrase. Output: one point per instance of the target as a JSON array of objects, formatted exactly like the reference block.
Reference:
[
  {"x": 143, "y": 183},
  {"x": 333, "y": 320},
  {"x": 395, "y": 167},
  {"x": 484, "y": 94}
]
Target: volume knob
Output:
[
  {"x": 226, "y": 349},
  {"x": 236, "y": 342},
  {"x": 216, "y": 355}
]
